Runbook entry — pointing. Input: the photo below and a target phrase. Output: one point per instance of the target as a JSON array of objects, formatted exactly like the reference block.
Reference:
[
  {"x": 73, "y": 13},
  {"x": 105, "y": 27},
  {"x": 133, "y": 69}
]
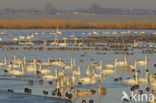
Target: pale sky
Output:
[{"x": 71, "y": 4}]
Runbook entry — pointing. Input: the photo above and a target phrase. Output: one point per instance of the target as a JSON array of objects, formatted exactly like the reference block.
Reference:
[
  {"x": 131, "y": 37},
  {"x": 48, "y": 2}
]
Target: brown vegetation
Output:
[{"x": 54, "y": 23}]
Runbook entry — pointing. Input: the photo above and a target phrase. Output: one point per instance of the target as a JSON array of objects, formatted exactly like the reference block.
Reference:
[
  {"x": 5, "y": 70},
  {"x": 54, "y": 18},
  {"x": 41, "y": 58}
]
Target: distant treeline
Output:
[{"x": 65, "y": 24}]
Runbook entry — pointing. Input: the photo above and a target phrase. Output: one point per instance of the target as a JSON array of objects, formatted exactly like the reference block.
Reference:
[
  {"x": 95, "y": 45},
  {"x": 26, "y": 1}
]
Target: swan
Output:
[
  {"x": 93, "y": 63},
  {"x": 21, "y": 37},
  {"x": 99, "y": 67},
  {"x": 71, "y": 64},
  {"x": 77, "y": 72},
  {"x": 51, "y": 77},
  {"x": 143, "y": 80},
  {"x": 58, "y": 63},
  {"x": 1, "y": 39},
  {"x": 88, "y": 71},
  {"x": 55, "y": 41},
  {"x": 94, "y": 32},
  {"x": 151, "y": 78},
  {"x": 32, "y": 67},
  {"x": 61, "y": 73},
  {"x": 142, "y": 62},
  {"x": 77, "y": 44},
  {"x": 96, "y": 75},
  {"x": 114, "y": 32},
  {"x": 16, "y": 72},
  {"x": 44, "y": 71},
  {"x": 46, "y": 63},
  {"x": 136, "y": 44},
  {"x": 72, "y": 36},
  {"x": 58, "y": 31},
  {"x": 122, "y": 63},
  {"x": 17, "y": 60},
  {"x": 88, "y": 80},
  {"x": 107, "y": 71},
  {"x": 5, "y": 61},
  {"x": 133, "y": 66},
  {"x": 111, "y": 65},
  {"x": 63, "y": 44},
  {"x": 15, "y": 39},
  {"x": 132, "y": 81}
]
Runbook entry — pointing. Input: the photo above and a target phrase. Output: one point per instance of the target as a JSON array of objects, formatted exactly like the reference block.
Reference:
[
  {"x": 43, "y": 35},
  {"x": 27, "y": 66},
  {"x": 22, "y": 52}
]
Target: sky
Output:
[{"x": 73, "y": 4}]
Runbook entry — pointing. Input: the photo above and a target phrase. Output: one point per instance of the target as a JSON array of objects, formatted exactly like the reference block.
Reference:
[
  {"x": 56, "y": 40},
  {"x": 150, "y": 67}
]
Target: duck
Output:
[
  {"x": 82, "y": 93},
  {"x": 101, "y": 91},
  {"x": 132, "y": 81}
]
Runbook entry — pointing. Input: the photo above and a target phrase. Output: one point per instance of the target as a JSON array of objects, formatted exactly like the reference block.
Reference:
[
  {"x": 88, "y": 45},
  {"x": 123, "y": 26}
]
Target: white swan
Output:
[
  {"x": 51, "y": 77},
  {"x": 44, "y": 71},
  {"x": 94, "y": 32},
  {"x": 88, "y": 80},
  {"x": 16, "y": 72},
  {"x": 4, "y": 63},
  {"x": 100, "y": 66},
  {"x": 88, "y": 71},
  {"x": 122, "y": 63},
  {"x": 63, "y": 44},
  {"x": 58, "y": 31},
  {"x": 112, "y": 65},
  {"x": 136, "y": 44},
  {"x": 142, "y": 62},
  {"x": 77, "y": 72},
  {"x": 107, "y": 71},
  {"x": 132, "y": 81},
  {"x": 143, "y": 80}
]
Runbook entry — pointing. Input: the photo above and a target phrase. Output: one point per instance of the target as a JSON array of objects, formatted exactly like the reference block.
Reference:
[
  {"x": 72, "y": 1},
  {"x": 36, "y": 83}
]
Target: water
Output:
[{"x": 114, "y": 89}]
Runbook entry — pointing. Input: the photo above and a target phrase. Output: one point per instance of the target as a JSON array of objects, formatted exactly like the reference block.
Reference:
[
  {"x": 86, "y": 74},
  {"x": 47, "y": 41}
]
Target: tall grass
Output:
[{"x": 54, "y": 23}]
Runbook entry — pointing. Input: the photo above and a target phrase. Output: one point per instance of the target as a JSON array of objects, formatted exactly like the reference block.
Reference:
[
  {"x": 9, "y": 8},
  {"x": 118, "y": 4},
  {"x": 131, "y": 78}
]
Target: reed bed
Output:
[{"x": 66, "y": 24}]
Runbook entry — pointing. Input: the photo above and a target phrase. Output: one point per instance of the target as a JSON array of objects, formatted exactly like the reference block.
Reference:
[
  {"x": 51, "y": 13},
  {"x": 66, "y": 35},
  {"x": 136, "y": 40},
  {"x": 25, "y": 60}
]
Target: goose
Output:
[
  {"x": 82, "y": 93},
  {"x": 77, "y": 72},
  {"x": 132, "y": 81},
  {"x": 5, "y": 61},
  {"x": 51, "y": 77},
  {"x": 142, "y": 62},
  {"x": 122, "y": 63},
  {"x": 143, "y": 80},
  {"x": 63, "y": 44},
  {"x": 88, "y": 71},
  {"x": 44, "y": 71},
  {"x": 16, "y": 72},
  {"x": 111, "y": 65}
]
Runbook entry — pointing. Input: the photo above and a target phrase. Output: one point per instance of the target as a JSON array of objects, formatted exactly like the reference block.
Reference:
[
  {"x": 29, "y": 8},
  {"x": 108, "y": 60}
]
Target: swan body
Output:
[
  {"x": 142, "y": 62},
  {"x": 50, "y": 77},
  {"x": 44, "y": 71},
  {"x": 132, "y": 81},
  {"x": 108, "y": 71}
]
